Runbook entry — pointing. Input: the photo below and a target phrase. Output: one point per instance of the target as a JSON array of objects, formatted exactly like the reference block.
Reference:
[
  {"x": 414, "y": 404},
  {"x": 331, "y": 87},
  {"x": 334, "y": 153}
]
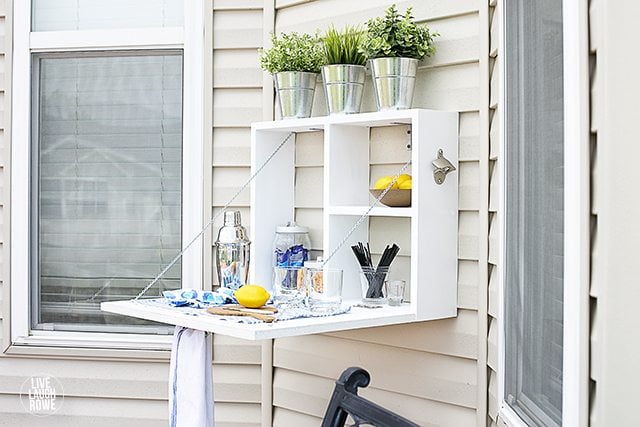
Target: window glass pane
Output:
[
  {"x": 56, "y": 15},
  {"x": 107, "y": 168},
  {"x": 534, "y": 210}
]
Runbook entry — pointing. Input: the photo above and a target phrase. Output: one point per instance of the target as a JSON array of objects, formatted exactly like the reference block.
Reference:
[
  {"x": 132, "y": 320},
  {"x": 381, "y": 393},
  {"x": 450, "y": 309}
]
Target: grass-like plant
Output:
[
  {"x": 293, "y": 52},
  {"x": 343, "y": 47},
  {"x": 395, "y": 35}
]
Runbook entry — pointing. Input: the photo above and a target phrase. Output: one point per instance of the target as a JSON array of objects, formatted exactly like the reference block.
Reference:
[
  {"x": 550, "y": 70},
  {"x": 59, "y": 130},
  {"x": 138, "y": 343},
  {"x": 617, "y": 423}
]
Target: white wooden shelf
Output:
[
  {"x": 376, "y": 211},
  {"x": 430, "y": 236},
  {"x": 355, "y": 319}
]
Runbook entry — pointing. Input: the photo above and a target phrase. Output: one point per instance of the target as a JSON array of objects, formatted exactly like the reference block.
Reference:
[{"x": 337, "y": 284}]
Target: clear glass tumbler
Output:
[
  {"x": 324, "y": 289},
  {"x": 395, "y": 291}
]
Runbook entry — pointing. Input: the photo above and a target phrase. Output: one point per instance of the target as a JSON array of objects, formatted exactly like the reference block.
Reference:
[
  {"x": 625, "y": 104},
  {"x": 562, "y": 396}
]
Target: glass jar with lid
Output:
[{"x": 291, "y": 247}]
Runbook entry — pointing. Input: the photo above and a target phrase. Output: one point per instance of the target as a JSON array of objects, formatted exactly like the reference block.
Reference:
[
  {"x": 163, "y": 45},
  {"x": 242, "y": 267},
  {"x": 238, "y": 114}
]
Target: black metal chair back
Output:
[{"x": 345, "y": 401}]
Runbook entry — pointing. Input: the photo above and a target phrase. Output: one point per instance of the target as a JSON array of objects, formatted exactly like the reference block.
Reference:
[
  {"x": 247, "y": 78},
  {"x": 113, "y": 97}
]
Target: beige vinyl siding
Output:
[
  {"x": 595, "y": 35},
  {"x": 5, "y": 153},
  {"x": 237, "y": 102},
  {"x": 426, "y": 371},
  {"x": 494, "y": 238},
  {"x": 615, "y": 211}
]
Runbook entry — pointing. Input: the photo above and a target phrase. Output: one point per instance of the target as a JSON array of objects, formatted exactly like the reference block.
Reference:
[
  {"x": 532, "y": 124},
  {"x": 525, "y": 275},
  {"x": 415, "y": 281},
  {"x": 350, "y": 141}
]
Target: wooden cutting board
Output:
[{"x": 264, "y": 313}]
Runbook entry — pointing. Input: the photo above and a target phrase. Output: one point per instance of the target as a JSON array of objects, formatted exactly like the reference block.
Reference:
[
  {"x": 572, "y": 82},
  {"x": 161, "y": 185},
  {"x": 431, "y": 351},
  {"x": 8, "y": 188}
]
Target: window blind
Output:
[
  {"x": 59, "y": 15},
  {"x": 107, "y": 169}
]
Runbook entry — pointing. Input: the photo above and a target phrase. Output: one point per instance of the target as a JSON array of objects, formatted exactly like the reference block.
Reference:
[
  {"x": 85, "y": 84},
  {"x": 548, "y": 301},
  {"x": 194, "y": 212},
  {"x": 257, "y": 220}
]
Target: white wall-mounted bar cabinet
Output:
[{"x": 430, "y": 224}]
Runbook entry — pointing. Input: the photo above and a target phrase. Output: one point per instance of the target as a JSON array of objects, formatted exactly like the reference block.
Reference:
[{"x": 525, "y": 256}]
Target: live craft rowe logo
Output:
[{"x": 42, "y": 395}]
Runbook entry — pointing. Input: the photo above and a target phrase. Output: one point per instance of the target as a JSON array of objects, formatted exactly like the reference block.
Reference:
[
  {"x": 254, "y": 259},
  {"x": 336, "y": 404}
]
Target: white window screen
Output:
[
  {"x": 58, "y": 15},
  {"x": 534, "y": 210},
  {"x": 106, "y": 182}
]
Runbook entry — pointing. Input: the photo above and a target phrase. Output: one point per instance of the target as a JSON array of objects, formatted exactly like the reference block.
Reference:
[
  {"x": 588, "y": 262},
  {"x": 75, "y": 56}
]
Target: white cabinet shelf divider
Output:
[{"x": 429, "y": 263}]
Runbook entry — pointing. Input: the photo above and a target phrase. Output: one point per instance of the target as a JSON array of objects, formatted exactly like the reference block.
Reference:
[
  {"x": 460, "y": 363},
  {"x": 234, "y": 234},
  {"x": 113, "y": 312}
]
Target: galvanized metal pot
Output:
[
  {"x": 343, "y": 87},
  {"x": 295, "y": 93},
  {"x": 393, "y": 82}
]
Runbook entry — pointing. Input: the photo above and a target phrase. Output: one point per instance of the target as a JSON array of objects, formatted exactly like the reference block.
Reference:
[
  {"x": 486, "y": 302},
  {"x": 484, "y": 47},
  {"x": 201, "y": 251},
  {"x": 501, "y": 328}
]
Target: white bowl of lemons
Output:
[{"x": 400, "y": 193}]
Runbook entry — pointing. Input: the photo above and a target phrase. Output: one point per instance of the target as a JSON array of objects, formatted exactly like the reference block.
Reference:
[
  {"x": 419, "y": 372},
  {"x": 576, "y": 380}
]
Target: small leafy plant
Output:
[
  {"x": 293, "y": 52},
  {"x": 397, "y": 36},
  {"x": 343, "y": 47}
]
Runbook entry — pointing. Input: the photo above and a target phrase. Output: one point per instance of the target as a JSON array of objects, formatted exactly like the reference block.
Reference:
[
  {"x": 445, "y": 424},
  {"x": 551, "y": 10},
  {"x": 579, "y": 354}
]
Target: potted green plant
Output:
[
  {"x": 394, "y": 44},
  {"x": 344, "y": 72},
  {"x": 294, "y": 60}
]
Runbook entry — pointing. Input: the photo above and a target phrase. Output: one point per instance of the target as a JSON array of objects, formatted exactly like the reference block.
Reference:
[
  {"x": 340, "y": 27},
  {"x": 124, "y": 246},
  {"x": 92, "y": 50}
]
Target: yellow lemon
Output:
[
  {"x": 402, "y": 178},
  {"x": 406, "y": 184},
  {"x": 252, "y": 296},
  {"x": 383, "y": 182}
]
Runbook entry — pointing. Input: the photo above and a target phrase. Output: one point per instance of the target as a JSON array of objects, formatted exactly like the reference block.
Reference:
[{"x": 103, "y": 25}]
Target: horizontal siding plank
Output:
[
  {"x": 468, "y": 285},
  {"x": 595, "y": 104},
  {"x": 595, "y": 24},
  {"x": 114, "y": 380},
  {"x": 494, "y": 244},
  {"x": 229, "y": 350},
  {"x": 596, "y": 183},
  {"x": 236, "y": 68},
  {"x": 237, "y": 383},
  {"x": 237, "y": 414},
  {"x": 458, "y": 41},
  {"x": 231, "y": 147},
  {"x": 384, "y": 230},
  {"x": 309, "y": 149},
  {"x": 493, "y": 394},
  {"x": 301, "y": 392},
  {"x": 286, "y": 418},
  {"x": 494, "y": 138},
  {"x": 81, "y": 412},
  {"x": 311, "y": 218},
  {"x": 469, "y": 136},
  {"x": 452, "y": 337},
  {"x": 493, "y": 34},
  {"x": 237, "y": 4},
  {"x": 233, "y": 29},
  {"x": 494, "y": 294},
  {"x": 494, "y": 189},
  {"x": 596, "y": 265},
  {"x": 594, "y": 345},
  {"x": 468, "y": 186},
  {"x": 468, "y": 240},
  {"x": 492, "y": 344},
  {"x": 388, "y": 145},
  {"x": 424, "y": 375},
  {"x": 448, "y": 88},
  {"x": 494, "y": 83},
  {"x": 236, "y": 107},
  {"x": 226, "y": 183},
  {"x": 307, "y": 16},
  {"x": 308, "y": 187}
]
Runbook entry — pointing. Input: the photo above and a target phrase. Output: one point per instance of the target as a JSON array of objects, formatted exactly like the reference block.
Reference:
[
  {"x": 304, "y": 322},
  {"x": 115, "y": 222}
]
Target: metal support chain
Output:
[{"x": 215, "y": 217}]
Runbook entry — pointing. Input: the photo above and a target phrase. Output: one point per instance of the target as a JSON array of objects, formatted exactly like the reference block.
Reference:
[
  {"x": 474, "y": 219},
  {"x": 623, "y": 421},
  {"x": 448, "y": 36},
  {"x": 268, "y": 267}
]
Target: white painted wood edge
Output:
[{"x": 357, "y": 318}]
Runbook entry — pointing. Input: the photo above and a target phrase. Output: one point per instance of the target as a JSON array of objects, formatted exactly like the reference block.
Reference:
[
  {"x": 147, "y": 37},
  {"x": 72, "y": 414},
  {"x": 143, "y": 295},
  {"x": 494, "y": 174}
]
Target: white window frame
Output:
[
  {"x": 575, "y": 382},
  {"x": 190, "y": 39}
]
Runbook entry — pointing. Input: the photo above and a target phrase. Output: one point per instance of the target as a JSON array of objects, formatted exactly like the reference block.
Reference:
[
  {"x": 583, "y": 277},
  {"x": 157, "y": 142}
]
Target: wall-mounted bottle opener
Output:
[{"x": 442, "y": 167}]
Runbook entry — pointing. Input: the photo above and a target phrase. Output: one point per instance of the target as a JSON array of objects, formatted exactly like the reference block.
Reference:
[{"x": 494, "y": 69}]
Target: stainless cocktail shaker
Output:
[{"x": 232, "y": 252}]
